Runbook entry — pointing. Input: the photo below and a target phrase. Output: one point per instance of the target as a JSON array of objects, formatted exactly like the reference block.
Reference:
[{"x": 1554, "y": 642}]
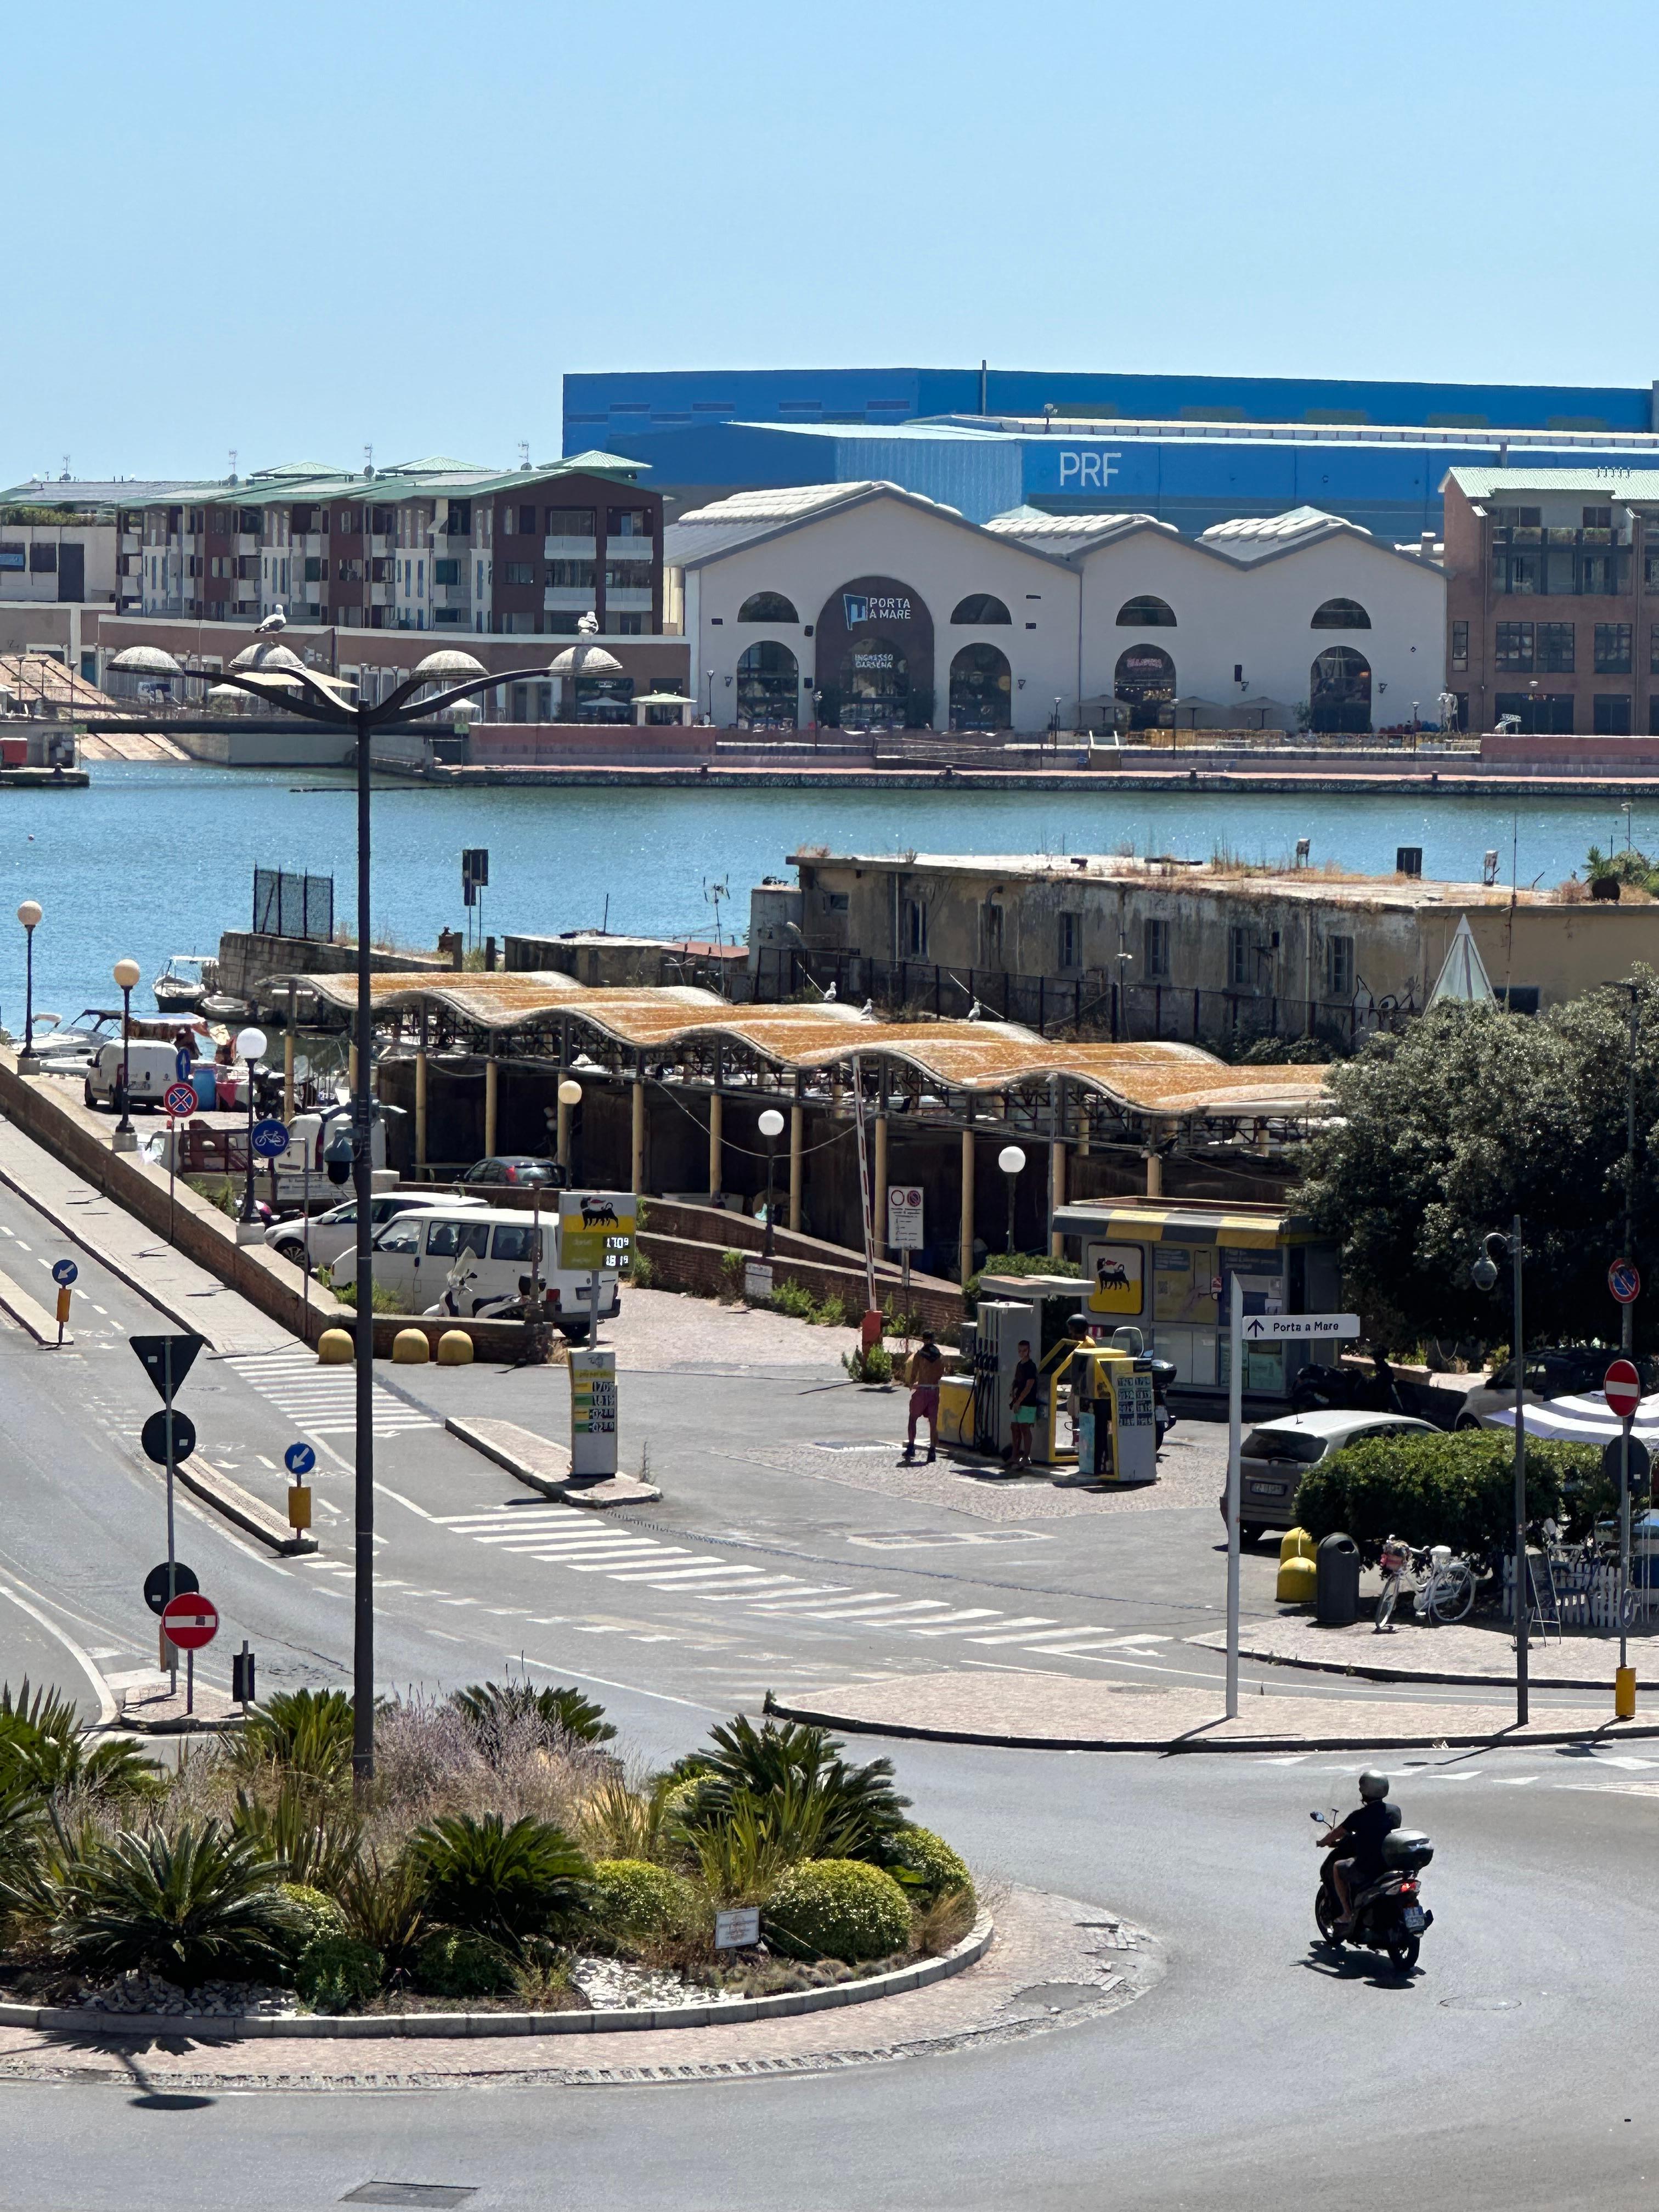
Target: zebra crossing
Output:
[
  {"x": 549, "y": 1534},
  {"x": 322, "y": 1401}
]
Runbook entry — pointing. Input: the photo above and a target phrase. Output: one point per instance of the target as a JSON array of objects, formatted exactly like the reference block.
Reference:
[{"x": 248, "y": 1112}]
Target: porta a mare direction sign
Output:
[{"x": 1262, "y": 1328}]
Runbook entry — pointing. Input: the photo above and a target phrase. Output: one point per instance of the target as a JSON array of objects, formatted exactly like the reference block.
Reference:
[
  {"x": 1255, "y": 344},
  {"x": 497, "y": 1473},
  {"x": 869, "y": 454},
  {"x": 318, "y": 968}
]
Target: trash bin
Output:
[
  {"x": 206, "y": 1084},
  {"x": 1336, "y": 1594}
]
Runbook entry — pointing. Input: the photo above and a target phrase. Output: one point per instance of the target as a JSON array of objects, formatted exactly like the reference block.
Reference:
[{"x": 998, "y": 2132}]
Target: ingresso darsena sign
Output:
[{"x": 869, "y": 607}]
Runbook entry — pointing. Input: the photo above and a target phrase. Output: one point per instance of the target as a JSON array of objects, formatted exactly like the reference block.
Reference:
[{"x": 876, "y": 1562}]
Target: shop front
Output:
[
  {"x": 1168, "y": 1270},
  {"x": 875, "y": 657}
]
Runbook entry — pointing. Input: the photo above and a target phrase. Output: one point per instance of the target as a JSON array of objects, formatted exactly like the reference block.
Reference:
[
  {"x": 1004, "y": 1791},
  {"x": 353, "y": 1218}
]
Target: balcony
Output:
[
  {"x": 569, "y": 549},
  {"x": 627, "y": 599},
  {"x": 381, "y": 595},
  {"x": 580, "y": 601},
  {"x": 381, "y": 544},
  {"x": 452, "y": 595}
]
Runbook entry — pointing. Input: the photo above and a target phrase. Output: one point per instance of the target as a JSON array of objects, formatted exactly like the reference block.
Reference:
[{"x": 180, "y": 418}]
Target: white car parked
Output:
[
  {"x": 1276, "y": 1455},
  {"x": 336, "y": 1231}
]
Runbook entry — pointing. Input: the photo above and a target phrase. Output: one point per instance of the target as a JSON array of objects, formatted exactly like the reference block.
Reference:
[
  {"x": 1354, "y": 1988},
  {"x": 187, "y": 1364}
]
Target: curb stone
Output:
[{"x": 247, "y": 2026}]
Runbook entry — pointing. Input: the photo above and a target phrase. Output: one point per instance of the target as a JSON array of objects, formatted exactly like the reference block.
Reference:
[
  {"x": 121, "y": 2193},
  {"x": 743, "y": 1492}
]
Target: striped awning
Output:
[{"x": 1149, "y": 1221}]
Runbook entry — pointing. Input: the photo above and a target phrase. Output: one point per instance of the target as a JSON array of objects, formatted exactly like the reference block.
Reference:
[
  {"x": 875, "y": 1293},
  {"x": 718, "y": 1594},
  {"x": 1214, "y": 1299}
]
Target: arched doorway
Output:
[
  {"x": 768, "y": 687},
  {"x": 1145, "y": 682},
  {"x": 875, "y": 684},
  {"x": 1340, "y": 690},
  {"x": 982, "y": 689}
]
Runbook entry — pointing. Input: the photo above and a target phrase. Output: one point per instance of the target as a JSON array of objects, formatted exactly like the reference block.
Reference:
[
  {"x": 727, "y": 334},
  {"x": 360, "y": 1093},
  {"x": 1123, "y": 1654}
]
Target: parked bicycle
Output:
[{"x": 1442, "y": 1582}]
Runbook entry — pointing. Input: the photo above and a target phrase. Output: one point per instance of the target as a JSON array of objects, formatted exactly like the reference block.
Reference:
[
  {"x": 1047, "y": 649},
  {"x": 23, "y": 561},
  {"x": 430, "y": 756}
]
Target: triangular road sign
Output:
[{"x": 167, "y": 1359}]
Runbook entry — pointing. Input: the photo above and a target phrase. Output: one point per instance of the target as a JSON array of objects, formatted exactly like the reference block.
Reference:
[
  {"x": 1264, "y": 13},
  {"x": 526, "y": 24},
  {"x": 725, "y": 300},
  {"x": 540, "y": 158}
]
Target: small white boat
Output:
[{"x": 185, "y": 982}]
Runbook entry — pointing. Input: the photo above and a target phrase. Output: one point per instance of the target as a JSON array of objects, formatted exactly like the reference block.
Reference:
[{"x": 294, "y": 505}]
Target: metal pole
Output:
[
  {"x": 1235, "y": 1440},
  {"x": 1624, "y": 1538},
  {"x": 362, "y": 1161},
  {"x": 173, "y": 1574},
  {"x": 248, "y": 1214},
  {"x": 28, "y": 993},
  {"x": 1523, "y": 1621},
  {"x": 771, "y": 1192},
  {"x": 123, "y": 1127},
  {"x": 1627, "y": 1314}
]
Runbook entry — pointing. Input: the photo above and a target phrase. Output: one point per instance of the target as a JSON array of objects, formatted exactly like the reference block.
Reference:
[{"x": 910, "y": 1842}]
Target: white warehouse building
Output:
[{"x": 863, "y": 606}]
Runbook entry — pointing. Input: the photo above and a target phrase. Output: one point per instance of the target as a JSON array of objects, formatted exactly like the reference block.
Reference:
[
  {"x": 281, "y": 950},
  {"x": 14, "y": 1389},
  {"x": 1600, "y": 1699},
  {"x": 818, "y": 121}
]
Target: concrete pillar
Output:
[
  {"x": 351, "y": 1068},
  {"x": 1057, "y": 1181},
  {"x": 716, "y": 1124},
  {"x": 562, "y": 1133},
  {"x": 492, "y": 1092},
  {"x": 638, "y": 1148},
  {"x": 967, "y": 1252},
  {"x": 878, "y": 1189},
  {"x": 797, "y": 1146},
  {"x": 419, "y": 1105},
  {"x": 1154, "y": 1175}
]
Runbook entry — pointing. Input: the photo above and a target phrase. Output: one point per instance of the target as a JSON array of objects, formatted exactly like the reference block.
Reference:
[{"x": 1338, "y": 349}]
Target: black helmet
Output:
[{"x": 1373, "y": 1784}]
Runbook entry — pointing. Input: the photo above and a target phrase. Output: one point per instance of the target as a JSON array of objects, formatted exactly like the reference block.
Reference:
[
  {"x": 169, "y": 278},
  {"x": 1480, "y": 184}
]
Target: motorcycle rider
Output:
[{"x": 1361, "y": 1836}]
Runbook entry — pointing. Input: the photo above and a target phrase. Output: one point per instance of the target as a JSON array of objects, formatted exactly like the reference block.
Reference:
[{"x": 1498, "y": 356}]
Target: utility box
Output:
[{"x": 1336, "y": 1592}]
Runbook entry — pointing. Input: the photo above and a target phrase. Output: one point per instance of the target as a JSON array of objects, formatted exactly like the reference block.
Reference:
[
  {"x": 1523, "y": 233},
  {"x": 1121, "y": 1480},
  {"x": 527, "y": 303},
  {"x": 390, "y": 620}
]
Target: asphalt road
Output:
[{"x": 1511, "y": 2070}]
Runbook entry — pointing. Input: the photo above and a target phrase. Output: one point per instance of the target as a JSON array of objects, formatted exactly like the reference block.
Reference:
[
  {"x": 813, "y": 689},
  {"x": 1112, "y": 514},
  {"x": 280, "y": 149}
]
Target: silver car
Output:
[
  {"x": 1276, "y": 1455},
  {"x": 336, "y": 1231}
]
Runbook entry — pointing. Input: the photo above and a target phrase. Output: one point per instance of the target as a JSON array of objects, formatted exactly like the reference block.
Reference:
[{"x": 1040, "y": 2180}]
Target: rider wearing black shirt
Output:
[{"x": 1360, "y": 1837}]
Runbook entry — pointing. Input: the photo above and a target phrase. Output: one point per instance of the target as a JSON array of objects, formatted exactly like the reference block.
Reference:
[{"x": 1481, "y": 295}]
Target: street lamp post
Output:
[
  {"x": 278, "y": 678},
  {"x": 1011, "y": 1160},
  {"x": 771, "y": 1128},
  {"x": 1484, "y": 1272},
  {"x": 127, "y": 973},
  {"x": 250, "y": 1047},
  {"x": 29, "y": 914}
]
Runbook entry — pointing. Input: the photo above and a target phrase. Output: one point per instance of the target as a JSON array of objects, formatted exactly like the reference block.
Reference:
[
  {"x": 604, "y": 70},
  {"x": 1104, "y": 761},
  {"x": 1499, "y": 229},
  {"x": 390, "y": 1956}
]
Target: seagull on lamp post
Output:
[{"x": 275, "y": 620}]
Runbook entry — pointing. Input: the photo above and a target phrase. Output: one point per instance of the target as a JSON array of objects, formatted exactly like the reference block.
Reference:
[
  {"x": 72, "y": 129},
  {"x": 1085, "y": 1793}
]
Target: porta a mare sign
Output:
[{"x": 873, "y": 607}]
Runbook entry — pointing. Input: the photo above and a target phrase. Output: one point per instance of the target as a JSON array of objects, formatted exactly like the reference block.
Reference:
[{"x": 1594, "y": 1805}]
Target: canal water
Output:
[{"x": 158, "y": 859}]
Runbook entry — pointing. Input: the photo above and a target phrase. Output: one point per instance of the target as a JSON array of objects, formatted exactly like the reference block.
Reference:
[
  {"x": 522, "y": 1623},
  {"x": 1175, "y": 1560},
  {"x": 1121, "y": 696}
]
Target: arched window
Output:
[
  {"x": 1340, "y": 614},
  {"x": 769, "y": 688},
  {"x": 1340, "y": 690},
  {"x": 1145, "y": 613},
  {"x": 768, "y": 607},
  {"x": 982, "y": 689},
  {"x": 1145, "y": 681},
  {"x": 979, "y": 609}
]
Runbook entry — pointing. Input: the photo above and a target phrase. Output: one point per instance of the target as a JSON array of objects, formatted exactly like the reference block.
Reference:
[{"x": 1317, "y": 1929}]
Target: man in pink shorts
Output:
[{"x": 926, "y": 1365}]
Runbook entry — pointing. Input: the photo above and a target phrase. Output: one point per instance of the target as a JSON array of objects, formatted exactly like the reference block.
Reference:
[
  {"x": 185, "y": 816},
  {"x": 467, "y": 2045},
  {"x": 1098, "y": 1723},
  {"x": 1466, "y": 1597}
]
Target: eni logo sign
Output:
[
  {"x": 1088, "y": 466},
  {"x": 863, "y": 607}
]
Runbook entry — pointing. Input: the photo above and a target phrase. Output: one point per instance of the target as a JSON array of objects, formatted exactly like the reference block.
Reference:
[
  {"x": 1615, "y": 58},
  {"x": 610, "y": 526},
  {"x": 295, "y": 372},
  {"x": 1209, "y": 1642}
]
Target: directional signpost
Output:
[
  {"x": 1259, "y": 1328},
  {"x": 1622, "y": 1387},
  {"x": 180, "y": 1101},
  {"x": 299, "y": 1459},
  {"x": 167, "y": 1360},
  {"x": 63, "y": 1273},
  {"x": 191, "y": 1621}
]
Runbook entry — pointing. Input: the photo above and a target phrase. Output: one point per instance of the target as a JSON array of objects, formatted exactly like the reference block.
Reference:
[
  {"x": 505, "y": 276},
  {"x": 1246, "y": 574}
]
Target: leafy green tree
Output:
[{"x": 1468, "y": 1117}]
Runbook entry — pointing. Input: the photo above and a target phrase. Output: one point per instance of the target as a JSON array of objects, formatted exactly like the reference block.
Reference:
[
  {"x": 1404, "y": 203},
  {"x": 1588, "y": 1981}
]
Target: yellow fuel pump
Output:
[{"x": 1115, "y": 1413}]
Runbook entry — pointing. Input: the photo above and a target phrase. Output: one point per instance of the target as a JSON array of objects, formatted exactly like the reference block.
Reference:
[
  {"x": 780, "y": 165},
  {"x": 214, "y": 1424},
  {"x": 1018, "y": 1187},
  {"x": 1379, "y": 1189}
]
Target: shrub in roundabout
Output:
[
  {"x": 837, "y": 1909},
  {"x": 633, "y": 1899},
  {"x": 1456, "y": 1490},
  {"x": 455, "y": 1965},
  {"x": 926, "y": 1866},
  {"x": 337, "y": 1972}
]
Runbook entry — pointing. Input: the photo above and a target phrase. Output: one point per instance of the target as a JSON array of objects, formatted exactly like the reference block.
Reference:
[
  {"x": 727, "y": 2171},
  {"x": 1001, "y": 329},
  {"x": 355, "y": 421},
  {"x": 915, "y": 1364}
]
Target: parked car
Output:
[
  {"x": 1276, "y": 1455},
  {"x": 1571, "y": 1371},
  {"x": 150, "y": 1069},
  {"x": 516, "y": 1167},
  {"x": 336, "y": 1231}
]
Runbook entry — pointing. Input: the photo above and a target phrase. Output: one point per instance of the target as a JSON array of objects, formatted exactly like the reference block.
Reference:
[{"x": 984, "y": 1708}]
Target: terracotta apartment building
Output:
[{"x": 1553, "y": 599}]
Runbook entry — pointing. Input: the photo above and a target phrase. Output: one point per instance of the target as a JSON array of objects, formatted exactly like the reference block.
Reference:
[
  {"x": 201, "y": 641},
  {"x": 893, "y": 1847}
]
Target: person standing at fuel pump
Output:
[
  {"x": 1023, "y": 1404},
  {"x": 927, "y": 1366}
]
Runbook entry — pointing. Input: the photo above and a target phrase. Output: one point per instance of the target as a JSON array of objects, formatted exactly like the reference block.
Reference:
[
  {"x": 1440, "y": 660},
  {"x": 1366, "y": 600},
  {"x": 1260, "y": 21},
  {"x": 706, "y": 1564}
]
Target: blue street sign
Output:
[
  {"x": 269, "y": 1138},
  {"x": 299, "y": 1459},
  {"x": 183, "y": 1061},
  {"x": 1625, "y": 1281},
  {"x": 63, "y": 1273}
]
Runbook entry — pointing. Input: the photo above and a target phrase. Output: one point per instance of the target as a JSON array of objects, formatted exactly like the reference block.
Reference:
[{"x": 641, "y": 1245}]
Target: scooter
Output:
[
  {"x": 1388, "y": 1914},
  {"x": 1345, "y": 1390}
]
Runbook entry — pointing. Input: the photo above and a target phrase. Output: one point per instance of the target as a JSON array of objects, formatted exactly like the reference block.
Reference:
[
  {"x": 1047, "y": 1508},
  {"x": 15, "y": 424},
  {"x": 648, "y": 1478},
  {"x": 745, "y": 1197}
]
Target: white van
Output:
[
  {"x": 490, "y": 1251},
  {"x": 151, "y": 1068}
]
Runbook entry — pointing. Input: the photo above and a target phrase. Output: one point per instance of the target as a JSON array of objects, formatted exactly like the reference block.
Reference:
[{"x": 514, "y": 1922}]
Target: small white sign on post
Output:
[
  {"x": 904, "y": 1210},
  {"x": 757, "y": 1279},
  {"x": 1273, "y": 1329},
  {"x": 736, "y": 1928}
]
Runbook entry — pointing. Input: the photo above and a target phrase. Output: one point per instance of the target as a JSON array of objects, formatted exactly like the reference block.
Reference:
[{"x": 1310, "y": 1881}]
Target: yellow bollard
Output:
[
  {"x": 410, "y": 1348},
  {"x": 336, "y": 1347},
  {"x": 455, "y": 1349},
  {"x": 1299, "y": 1582},
  {"x": 1624, "y": 1693},
  {"x": 1294, "y": 1544}
]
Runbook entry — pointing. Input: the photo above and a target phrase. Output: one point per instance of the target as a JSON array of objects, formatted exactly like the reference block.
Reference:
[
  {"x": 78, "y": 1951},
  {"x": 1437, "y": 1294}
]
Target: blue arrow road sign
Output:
[
  {"x": 299, "y": 1459},
  {"x": 64, "y": 1272},
  {"x": 269, "y": 1138}
]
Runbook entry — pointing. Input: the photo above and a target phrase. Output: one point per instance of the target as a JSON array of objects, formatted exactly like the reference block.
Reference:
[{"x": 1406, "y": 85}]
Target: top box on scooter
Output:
[{"x": 1407, "y": 1849}]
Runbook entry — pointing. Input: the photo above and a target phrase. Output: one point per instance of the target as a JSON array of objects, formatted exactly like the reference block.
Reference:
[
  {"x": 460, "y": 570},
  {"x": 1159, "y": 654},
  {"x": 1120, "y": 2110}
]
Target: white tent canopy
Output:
[
  {"x": 1463, "y": 975},
  {"x": 1585, "y": 1420}
]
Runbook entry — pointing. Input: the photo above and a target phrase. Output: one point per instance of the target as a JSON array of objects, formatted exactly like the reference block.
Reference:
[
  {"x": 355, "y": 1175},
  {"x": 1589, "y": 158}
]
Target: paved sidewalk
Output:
[
  {"x": 1413, "y": 1652},
  {"x": 1054, "y": 1961},
  {"x": 183, "y": 1294},
  {"x": 1015, "y": 1709}
]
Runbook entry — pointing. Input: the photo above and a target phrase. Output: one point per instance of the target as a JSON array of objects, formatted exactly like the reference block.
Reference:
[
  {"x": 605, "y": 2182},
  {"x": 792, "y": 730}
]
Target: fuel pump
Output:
[{"x": 1115, "y": 1413}]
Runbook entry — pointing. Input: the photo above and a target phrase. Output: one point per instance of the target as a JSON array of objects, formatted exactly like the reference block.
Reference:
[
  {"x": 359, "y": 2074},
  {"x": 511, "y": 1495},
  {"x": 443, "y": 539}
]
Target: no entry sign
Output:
[
  {"x": 1623, "y": 1388},
  {"x": 191, "y": 1621}
]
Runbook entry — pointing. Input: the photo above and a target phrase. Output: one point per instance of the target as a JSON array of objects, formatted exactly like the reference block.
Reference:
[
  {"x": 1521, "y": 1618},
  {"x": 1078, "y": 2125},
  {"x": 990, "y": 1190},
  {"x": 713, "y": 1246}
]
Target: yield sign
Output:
[
  {"x": 167, "y": 1359},
  {"x": 1622, "y": 1386}
]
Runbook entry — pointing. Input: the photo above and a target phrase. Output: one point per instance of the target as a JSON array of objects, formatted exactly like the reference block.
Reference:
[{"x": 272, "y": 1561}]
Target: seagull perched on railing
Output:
[{"x": 275, "y": 620}]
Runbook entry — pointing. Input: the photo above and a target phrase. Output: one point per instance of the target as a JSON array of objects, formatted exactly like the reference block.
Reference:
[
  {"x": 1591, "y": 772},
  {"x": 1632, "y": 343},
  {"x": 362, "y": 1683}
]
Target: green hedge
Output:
[
  {"x": 1446, "y": 1489},
  {"x": 926, "y": 1864},
  {"x": 633, "y": 1897},
  {"x": 838, "y": 1909},
  {"x": 337, "y": 1972},
  {"x": 456, "y": 1965}
]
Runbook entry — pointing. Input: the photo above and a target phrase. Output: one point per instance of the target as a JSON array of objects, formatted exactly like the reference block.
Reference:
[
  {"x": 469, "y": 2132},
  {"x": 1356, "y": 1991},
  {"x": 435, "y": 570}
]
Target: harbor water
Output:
[{"x": 156, "y": 860}]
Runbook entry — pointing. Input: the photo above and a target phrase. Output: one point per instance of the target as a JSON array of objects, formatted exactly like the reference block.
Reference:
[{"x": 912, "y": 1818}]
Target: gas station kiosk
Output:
[{"x": 1096, "y": 1408}]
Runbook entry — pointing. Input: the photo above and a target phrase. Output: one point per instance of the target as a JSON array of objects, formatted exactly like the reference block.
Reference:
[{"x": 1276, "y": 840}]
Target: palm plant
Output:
[
  {"x": 494, "y": 1710},
  {"x": 307, "y": 1841},
  {"x": 740, "y": 1858},
  {"x": 796, "y": 1782},
  {"x": 505, "y": 1883},
  {"x": 618, "y": 1822},
  {"x": 44, "y": 1748},
  {"x": 305, "y": 1733},
  {"x": 190, "y": 1906},
  {"x": 384, "y": 1903}
]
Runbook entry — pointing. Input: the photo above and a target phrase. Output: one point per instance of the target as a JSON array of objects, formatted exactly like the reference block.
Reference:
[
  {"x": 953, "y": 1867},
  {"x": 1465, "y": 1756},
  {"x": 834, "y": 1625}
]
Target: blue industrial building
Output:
[{"x": 1192, "y": 451}]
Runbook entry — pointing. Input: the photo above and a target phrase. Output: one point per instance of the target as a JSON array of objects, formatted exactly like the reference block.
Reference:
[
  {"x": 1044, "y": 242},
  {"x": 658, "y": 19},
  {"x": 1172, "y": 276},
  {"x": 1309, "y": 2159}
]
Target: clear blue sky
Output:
[{"x": 296, "y": 230}]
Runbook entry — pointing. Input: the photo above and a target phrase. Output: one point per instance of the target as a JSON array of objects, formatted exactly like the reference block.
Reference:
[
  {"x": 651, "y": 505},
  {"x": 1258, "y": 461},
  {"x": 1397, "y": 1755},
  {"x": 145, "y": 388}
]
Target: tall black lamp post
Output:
[
  {"x": 771, "y": 1128},
  {"x": 271, "y": 673},
  {"x": 127, "y": 973},
  {"x": 250, "y": 1049},
  {"x": 1484, "y": 1272},
  {"x": 1010, "y": 1159},
  {"x": 29, "y": 914}
]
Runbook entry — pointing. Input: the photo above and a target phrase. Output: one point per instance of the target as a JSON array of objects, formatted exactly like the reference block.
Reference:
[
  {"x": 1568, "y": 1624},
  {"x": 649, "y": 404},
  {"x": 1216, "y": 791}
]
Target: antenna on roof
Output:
[
  {"x": 233, "y": 464},
  {"x": 524, "y": 452},
  {"x": 65, "y": 477},
  {"x": 368, "y": 461}
]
